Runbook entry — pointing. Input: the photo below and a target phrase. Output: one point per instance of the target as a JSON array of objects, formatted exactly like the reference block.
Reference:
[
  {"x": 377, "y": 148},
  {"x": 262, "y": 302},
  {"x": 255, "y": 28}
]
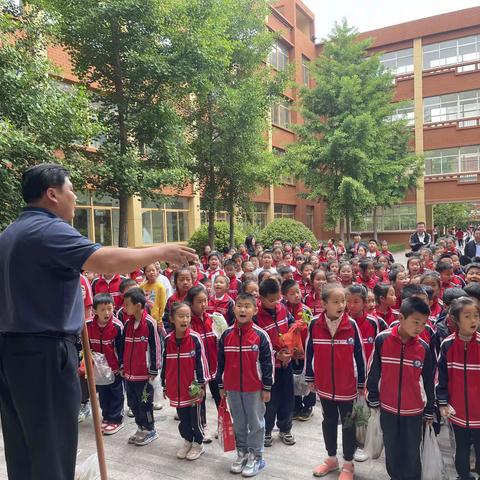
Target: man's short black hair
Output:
[
  {"x": 100, "y": 298},
  {"x": 36, "y": 180},
  {"x": 413, "y": 290},
  {"x": 413, "y": 305},
  {"x": 136, "y": 296}
]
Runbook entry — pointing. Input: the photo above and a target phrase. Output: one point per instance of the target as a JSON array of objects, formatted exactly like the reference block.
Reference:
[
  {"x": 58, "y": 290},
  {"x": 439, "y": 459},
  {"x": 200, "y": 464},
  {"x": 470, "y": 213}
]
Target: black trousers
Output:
[
  {"x": 140, "y": 400},
  {"x": 111, "y": 400},
  {"x": 190, "y": 426},
  {"x": 402, "y": 437},
  {"x": 331, "y": 410},
  {"x": 305, "y": 401},
  {"x": 464, "y": 437},
  {"x": 39, "y": 403},
  {"x": 280, "y": 406},
  {"x": 215, "y": 391}
]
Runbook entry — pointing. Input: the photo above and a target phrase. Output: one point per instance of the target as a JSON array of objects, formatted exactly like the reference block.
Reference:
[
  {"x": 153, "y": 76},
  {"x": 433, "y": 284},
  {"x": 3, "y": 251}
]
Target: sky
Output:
[{"x": 371, "y": 14}]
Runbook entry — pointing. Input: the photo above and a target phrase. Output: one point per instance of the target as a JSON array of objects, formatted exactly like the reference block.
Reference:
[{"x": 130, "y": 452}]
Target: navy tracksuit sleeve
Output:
[
  {"x": 230, "y": 314},
  {"x": 154, "y": 349},
  {"x": 374, "y": 375},
  {"x": 441, "y": 389},
  {"x": 163, "y": 370},
  {"x": 359, "y": 355},
  {"x": 427, "y": 376},
  {"x": 266, "y": 361},
  {"x": 201, "y": 368},
  {"x": 119, "y": 344},
  {"x": 221, "y": 360},
  {"x": 308, "y": 368}
]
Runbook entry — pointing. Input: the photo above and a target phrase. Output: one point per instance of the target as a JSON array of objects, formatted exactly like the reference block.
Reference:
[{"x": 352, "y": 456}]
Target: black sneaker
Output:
[
  {"x": 306, "y": 414},
  {"x": 296, "y": 415},
  {"x": 268, "y": 440},
  {"x": 287, "y": 438}
]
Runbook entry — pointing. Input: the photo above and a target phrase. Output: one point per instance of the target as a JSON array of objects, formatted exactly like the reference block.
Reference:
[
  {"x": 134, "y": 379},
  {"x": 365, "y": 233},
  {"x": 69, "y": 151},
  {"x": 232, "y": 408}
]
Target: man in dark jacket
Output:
[
  {"x": 420, "y": 238},
  {"x": 472, "y": 248}
]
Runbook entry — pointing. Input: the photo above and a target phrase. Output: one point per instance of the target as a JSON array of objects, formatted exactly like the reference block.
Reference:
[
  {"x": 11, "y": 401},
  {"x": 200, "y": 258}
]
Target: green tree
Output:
[
  {"x": 134, "y": 54},
  {"x": 229, "y": 111},
  {"x": 37, "y": 117},
  {"x": 447, "y": 215},
  {"x": 350, "y": 153}
]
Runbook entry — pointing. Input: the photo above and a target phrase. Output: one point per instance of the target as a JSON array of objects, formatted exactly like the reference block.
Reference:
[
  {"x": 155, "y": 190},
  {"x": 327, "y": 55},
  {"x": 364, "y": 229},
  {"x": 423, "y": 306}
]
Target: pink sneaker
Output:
[
  {"x": 328, "y": 465},
  {"x": 347, "y": 472}
]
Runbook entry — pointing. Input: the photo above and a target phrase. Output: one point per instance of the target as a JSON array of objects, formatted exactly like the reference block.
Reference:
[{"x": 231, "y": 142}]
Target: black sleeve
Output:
[
  {"x": 427, "y": 376},
  {"x": 309, "y": 356},
  {"x": 221, "y": 360},
  {"x": 359, "y": 355},
  {"x": 119, "y": 343},
  {"x": 441, "y": 388},
  {"x": 154, "y": 348},
  {"x": 266, "y": 361},
  {"x": 374, "y": 374},
  {"x": 201, "y": 365},
  {"x": 163, "y": 371},
  {"x": 230, "y": 313}
]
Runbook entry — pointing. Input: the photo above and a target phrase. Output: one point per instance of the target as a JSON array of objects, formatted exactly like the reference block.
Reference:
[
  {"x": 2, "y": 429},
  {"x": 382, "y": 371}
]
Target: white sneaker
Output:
[
  {"x": 84, "y": 412},
  {"x": 182, "y": 453},
  {"x": 130, "y": 413},
  {"x": 207, "y": 438},
  {"x": 360, "y": 455},
  {"x": 195, "y": 451},
  {"x": 157, "y": 406},
  {"x": 239, "y": 463}
]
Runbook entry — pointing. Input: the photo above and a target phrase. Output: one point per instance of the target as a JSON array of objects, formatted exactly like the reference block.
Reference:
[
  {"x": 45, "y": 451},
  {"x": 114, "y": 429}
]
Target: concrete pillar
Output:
[
  {"x": 194, "y": 217},
  {"x": 418, "y": 108},
  {"x": 135, "y": 231}
]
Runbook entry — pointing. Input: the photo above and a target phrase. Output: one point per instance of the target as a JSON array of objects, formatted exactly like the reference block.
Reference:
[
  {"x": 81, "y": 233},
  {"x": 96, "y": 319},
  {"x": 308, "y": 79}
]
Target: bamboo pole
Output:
[{"x": 87, "y": 355}]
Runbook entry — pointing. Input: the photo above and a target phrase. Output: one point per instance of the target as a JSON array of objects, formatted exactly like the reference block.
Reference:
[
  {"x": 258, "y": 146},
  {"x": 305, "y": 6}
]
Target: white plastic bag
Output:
[
  {"x": 300, "y": 386},
  {"x": 219, "y": 324},
  {"x": 101, "y": 370},
  {"x": 433, "y": 467},
  {"x": 88, "y": 469},
  {"x": 374, "y": 436},
  {"x": 361, "y": 415},
  {"x": 157, "y": 389}
]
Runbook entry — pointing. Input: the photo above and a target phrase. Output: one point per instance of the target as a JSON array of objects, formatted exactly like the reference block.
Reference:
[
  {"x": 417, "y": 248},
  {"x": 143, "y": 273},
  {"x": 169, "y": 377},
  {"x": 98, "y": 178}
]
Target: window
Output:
[
  {"x": 452, "y": 106},
  {"x": 405, "y": 112},
  {"x": 284, "y": 211},
  {"x": 310, "y": 216},
  {"x": 260, "y": 214},
  {"x": 221, "y": 216},
  {"x": 399, "y": 217},
  {"x": 305, "y": 71},
  {"x": 153, "y": 229},
  {"x": 278, "y": 56},
  {"x": 399, "y": 62},
  {"x": 453, "y": 160},
  {"x": 281, "y": 114},
  {"x": 451, "y": 52}
]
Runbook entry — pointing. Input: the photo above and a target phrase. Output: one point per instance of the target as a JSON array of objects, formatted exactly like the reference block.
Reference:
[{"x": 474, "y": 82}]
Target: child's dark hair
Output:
[
  {"x": 413, "y": 290},
  {"x": 214, "y": 254},
  {"x": 224, "y": 277},
  {"x": 230, "y": 262},
  {"x": 268, "y": 286},
  {"x": 377, "y": 266},
  {"x": 360, "y": 290},
  {"x": 300, "y": 257},
  {"x": 262, "y": 274},
  {"x": 458, "y": 305},
  {"x": 431, "y": 276},
  {"x": 393, "y": 274},
  {"x": 429, "y": 291},
  {"x": 179, "y": 271},
  {"x": 472, "y": 290},
  {"x": 304, "y": 265},
  {"x": 364, "y": 264},
  {"x": 284, "y": 270},
  {"x": 397, "y": 266},
  {"x": 444, "y": 255},
  {"x": 314, "y": 274},
  {"x": 413, "y": 257},
  {"x": 127, "y": 282},
  {"x": 331, "y": 277},
  {"x": 177, "y": 306},
  {"x": 287, "y": 285},
  {"x": 246, "y": 297},
  {"x": 413, "y": 305},
  {"x": 373, "y": 240},
  {"x": 472, "y": 265},
  {"x": 328, "y": 289},
  {"x": 234, "y": 257},
  {"x": 380, "y": 290},
  {"x": 330, "y": 263},
  {"x": 136, "y": 296},
  {"x": 204, "y": 281},
  {"x": 443, "y": 266},
  {"x": 245, "y": 284},
  {"x": 267, "y": 252},
  {"x": 100, "y": 298},
  {"x": 193, "y": 292},
  {"x": 450, "y": 294}
]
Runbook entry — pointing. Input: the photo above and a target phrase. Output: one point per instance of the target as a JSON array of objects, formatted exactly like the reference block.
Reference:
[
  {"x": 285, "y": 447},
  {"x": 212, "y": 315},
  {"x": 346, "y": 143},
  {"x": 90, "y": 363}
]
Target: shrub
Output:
[
  {"x": 222, "y": 232},
  {"x": 288, "y": 230}
]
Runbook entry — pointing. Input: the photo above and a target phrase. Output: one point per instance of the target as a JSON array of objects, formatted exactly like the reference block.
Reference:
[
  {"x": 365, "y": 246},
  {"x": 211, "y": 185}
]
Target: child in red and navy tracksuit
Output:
[
  {"x": 220, "y": 301},
  {"x": 274, "y": 318},
  {"x": 182, "y": 282},
  {"x": 458, "y": 380},
  {"x": 109, "y": 284},
  {"x": 245, "y": 376},
  {"x": 303, "y": 409},
  {"x": 305, "y": 283},
  {"x": 400, "y": 374},
  {"x": 105, "y": 334},
  {"x": 141, "y": 362},
  {"x": 335, "y": 369},
  {"x": 202, "y": 323},
  {"x": 314, "y": 299},
  {"x": 234, "y": 282},
  {"x": 367, "y": 275},
  {"x": 385, "y": 299},
  {"x": 183, "y": 363}
]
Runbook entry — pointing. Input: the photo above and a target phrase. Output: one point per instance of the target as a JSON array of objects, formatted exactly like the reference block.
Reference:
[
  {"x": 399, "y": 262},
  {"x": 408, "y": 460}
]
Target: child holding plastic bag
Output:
[
  {"x": 335, "y": 369},
  {"x": 245, "y": 377},
  {"x": 105, "y": 333},
  {"x": 459, "y": 379},
  {"x": 399, "y": 377}
]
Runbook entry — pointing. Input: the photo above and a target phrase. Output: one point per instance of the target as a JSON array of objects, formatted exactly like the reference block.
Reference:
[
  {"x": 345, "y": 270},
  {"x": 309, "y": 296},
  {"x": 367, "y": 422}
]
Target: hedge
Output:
[
  {"x": 222, "y": 234},
  {"x": 288, "y": 230}
]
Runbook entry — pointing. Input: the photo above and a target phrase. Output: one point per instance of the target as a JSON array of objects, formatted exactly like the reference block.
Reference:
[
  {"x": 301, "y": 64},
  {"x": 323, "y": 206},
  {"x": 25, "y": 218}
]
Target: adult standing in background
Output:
[
  {"x": 420, "y": 238},
  {"x": 41, "y": 316},
  {"x": 472, "y": 248}
]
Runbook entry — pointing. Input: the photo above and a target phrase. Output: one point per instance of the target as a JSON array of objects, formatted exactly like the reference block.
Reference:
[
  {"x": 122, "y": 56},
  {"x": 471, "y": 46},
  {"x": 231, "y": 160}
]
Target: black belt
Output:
[{"x": 69, "y": 337}]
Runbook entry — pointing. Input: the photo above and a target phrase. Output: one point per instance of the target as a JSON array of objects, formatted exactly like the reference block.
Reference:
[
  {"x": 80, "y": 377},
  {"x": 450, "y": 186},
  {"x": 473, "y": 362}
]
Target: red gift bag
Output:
[{"x": 226, "y": 434}]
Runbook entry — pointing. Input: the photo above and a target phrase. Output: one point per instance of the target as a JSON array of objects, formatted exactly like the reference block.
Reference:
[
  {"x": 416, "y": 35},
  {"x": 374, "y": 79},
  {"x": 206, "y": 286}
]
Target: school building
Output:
[{"x": 436, "y": 62}]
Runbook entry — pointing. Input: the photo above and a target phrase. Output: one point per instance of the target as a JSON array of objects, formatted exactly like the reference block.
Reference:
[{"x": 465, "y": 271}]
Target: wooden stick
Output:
[{"x": 87, "y": 356}]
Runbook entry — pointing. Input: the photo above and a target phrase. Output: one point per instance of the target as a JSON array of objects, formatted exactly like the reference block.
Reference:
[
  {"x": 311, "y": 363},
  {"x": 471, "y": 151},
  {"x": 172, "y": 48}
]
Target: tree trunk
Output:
[
  {"x": 342, "y": 230},
  {"x": 349, "y": 227},
  {"x": 375, "y": 223},
  {"x": 211, "y": 227},
  {"x": 123, "y": 221},
  {"x": 231, "y": 208}
]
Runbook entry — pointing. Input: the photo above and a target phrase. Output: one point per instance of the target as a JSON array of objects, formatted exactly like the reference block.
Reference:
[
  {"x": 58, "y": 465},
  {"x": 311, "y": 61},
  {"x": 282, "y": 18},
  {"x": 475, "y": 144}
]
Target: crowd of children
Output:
[{"x": 342, "y": 324}]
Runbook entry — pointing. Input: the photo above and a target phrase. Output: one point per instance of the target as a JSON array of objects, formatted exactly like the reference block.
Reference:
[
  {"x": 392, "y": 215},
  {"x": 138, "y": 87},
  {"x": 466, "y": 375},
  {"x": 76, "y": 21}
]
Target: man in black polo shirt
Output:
[{"x": 41, "y": 316}]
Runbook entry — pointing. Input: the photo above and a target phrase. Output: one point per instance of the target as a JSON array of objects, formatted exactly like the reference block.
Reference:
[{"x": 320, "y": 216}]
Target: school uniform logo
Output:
[
  {"x": 192, "y": 353},
  {"x": 350, "y": 341},
  {"x": 417, "y": 363},
  {"x": 142, "y": 338},
  {"x": 370, "y": 339},
  {"x": 254, "y": 348}
]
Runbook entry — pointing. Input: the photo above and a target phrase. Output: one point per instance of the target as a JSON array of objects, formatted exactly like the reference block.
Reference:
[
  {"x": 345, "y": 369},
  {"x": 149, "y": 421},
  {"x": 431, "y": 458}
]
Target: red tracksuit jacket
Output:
[
  {"x": 183, "y": 363},
  {"x": 368, "y": 283},
  {"x": 314, "y": 302},
  {"x": 141, "y": 354},
  {"x": 336, "y": 365},
  {"x": 459, "y": 379},
  {"x": 399, "y": 368},
  {"x": 233, "y": 288},
  {"x": 245, "y": 359},
  {"x": 305, "y": 288},
  {"x": 203, "y": 326},
  {"x": 100, "y": 285},
  {"x": 368, "y": 327},
  {"x": 387, "y": 318},
  {"x": 223, "y": 305},
  {"x": 106, "y": 340},
  {"x": 275, "y": 322}
]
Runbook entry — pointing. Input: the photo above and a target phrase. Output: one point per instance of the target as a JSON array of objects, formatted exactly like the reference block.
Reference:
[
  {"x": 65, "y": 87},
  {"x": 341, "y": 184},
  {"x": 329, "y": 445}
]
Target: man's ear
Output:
[{"x": 51, "y": 194}]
